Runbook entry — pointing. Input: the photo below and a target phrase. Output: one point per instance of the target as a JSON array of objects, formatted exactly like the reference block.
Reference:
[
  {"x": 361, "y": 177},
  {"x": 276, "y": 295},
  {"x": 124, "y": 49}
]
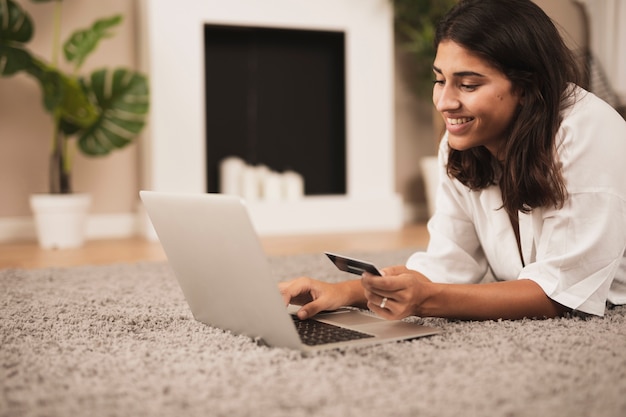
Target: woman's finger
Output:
[{"x": 385, "y": 285}]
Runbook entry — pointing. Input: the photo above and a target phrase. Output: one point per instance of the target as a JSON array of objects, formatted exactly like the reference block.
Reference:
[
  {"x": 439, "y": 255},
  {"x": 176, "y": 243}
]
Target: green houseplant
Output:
[
  {"x": 102, "y": 111},
  {"x": 415, "y": 23}
]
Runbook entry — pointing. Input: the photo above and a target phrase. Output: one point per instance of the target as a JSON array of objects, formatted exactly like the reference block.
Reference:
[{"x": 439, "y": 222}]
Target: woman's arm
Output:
[
  {"x": 495, "y": 300},
  {"x": 410, "y": 293}
]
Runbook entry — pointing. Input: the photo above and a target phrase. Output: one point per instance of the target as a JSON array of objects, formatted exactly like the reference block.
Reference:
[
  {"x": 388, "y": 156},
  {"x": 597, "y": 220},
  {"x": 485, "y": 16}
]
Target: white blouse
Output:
[{"x": 575, "y": 253}]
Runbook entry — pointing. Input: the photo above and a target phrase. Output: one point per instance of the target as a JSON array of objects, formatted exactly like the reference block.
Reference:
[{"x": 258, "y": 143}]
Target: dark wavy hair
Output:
[{"x": 519, "y": 39}]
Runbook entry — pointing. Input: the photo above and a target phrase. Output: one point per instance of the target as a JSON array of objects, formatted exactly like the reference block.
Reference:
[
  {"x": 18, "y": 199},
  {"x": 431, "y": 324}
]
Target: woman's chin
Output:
[{"x": 459, "y": 144}]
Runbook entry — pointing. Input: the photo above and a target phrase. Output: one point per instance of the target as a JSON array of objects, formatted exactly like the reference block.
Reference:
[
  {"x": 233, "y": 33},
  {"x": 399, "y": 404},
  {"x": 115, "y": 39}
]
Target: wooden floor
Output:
[{"x": 28, "y": 255}]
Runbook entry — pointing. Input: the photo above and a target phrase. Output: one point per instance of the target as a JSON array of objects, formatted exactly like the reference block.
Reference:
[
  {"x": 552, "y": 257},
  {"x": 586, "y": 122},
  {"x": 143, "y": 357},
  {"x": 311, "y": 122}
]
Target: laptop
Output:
[{"x": 215, "y": 253}]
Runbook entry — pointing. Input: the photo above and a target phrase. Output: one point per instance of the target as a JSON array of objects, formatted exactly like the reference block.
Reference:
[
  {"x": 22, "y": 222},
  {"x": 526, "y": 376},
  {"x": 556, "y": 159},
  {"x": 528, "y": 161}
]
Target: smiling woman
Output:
[
  {"x": 531, "y": 188},
  {"x": 526, "y": 57},
  {"x": 465, "y": 89}
]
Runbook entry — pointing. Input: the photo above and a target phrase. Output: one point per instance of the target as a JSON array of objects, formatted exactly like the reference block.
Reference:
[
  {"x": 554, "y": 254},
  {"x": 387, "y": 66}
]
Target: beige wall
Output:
[
  {"x": 25, "y": 129},
  {"x": 568, "y": 18}
]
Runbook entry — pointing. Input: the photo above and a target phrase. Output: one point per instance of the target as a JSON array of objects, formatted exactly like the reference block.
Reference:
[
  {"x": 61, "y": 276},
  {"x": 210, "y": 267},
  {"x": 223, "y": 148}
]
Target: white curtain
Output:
[{"x": 608, "y": 39}]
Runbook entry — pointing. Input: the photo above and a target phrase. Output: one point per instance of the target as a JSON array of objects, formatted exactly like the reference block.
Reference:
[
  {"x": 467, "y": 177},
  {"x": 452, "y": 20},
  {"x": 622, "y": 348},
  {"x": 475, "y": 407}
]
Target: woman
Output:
[{"x": 532, "y": 185}]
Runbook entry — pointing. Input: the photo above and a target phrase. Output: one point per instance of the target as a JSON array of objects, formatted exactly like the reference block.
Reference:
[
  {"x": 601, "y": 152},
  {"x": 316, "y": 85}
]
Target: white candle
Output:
[
  {"x": 250, "y": 184},
  {"x": 293, "y": 186},
  {"x": 272, "y": 187},
  {"x": 231, "y": 169},
  {"x": 261, "y": 171}
]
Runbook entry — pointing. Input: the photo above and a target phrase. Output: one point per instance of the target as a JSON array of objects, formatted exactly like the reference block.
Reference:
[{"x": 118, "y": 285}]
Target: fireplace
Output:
[
  {"x": 177, "y": 149},
  {"x": 276, "y": 98}
]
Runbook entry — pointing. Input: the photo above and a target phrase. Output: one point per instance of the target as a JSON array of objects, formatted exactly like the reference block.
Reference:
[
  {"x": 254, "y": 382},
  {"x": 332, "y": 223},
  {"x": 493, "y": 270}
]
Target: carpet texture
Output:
[{"x": 119, "y": 340}]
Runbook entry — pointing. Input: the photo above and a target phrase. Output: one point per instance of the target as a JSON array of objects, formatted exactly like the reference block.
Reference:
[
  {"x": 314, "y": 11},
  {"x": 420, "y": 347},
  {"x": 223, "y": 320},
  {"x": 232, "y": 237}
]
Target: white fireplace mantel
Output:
[{"x": 174, "y": 149}]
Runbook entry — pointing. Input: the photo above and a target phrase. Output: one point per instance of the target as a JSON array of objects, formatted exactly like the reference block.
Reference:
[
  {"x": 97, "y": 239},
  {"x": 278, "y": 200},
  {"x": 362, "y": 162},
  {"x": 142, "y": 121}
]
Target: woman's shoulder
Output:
[
  {"x": 586, "y": 107},
  {"x": 590, "y": 121},
  {"x": 592, "y": 140}
]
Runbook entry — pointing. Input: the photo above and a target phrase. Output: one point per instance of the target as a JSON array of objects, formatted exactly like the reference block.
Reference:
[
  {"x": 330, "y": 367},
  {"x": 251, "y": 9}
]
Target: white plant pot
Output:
[{"x": 60, "y": 219}]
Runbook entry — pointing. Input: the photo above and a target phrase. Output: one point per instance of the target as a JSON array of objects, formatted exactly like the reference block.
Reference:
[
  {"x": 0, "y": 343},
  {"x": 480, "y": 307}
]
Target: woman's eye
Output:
[
  {"x": 438, "y": 82},
  {"x": 469, "y": 87}
]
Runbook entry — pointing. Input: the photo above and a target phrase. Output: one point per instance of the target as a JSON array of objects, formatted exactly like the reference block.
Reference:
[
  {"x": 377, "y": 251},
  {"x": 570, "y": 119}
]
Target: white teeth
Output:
[{"x": 459, "y": 121}]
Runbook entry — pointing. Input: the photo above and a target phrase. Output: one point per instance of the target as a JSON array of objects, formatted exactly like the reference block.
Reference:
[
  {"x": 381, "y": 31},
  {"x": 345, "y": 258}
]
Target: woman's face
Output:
[{"x": 477, "y": 101}]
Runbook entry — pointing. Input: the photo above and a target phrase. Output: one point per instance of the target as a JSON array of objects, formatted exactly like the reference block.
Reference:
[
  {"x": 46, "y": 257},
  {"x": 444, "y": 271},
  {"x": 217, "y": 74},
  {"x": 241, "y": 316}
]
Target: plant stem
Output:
[
  {"x": 60, "y": 164},
  {"x": 67, "y": 158},
  {"x": 56, "y": 33},
  {"x": 59, "y": 176}
]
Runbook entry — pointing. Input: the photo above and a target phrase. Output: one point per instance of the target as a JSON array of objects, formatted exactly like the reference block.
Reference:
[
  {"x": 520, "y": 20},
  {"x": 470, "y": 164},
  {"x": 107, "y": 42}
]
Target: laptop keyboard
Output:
[{"x": 313, "y": 332}]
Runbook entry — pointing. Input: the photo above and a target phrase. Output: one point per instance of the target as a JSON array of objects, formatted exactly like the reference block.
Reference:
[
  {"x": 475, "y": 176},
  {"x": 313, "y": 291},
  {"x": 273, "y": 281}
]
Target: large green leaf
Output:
[
  {"x": 15, "y": 24},
  {"x": 84, "y": 42},
  {"x": 64, "y": 96},
  {"x": 76, "y": 106},
  {"x": 123, "y": 98},
  {"x": 13, "y": 60},
  {"x": 16, "y": 28}
]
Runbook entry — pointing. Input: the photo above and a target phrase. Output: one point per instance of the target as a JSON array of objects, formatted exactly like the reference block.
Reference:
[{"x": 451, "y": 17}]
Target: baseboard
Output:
[
  {"x": 99, "y": 226},
  {"x": 123, "y": 225},
  {"x": 17, "y": 229}
]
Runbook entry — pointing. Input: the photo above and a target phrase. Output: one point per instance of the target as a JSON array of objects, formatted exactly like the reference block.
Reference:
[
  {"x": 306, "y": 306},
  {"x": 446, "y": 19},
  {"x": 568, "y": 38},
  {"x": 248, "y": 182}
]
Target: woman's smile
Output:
[
  {"x": 460, "y": 120},
  {"x": 458, "y": 125}
]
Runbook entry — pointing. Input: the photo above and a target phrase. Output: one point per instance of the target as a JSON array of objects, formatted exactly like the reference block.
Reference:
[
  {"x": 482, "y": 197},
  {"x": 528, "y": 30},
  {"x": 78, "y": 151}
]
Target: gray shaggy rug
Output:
[{"x": 119, "y": 340}]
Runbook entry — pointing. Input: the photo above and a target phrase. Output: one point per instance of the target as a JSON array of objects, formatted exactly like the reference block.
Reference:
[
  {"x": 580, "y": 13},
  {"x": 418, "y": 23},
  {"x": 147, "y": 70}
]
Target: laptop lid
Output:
[{"x": 220, "y": 265}]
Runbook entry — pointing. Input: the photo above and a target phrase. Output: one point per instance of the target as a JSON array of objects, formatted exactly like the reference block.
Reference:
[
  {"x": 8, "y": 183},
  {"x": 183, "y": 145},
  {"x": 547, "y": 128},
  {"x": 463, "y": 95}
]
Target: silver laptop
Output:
[{"x": 225, "y": 277}]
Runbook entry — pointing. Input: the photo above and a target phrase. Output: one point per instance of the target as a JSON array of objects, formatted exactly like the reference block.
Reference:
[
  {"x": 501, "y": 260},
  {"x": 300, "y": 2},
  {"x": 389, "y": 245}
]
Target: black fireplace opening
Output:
[{"x": 276, "y": 97}]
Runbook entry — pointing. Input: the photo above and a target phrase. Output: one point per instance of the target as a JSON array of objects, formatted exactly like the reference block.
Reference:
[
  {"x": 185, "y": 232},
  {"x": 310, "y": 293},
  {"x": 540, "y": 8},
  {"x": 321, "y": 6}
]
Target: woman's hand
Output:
[
  {"x": 315, "y": 296},
  {"x": 402, "y": 290}
]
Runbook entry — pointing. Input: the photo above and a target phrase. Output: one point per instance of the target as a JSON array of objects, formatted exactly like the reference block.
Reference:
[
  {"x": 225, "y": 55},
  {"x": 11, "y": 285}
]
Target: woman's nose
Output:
[{"x": 445, "y": 99}]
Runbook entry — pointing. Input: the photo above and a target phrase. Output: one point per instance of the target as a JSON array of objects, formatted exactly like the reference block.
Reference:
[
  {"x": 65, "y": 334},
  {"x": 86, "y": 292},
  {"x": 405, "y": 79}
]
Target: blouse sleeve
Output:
[{"x": 454, "y": 253}]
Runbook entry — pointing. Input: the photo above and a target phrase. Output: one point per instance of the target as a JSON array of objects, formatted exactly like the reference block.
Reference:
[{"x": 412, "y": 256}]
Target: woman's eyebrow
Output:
[{"x": 460, "y": 73}]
